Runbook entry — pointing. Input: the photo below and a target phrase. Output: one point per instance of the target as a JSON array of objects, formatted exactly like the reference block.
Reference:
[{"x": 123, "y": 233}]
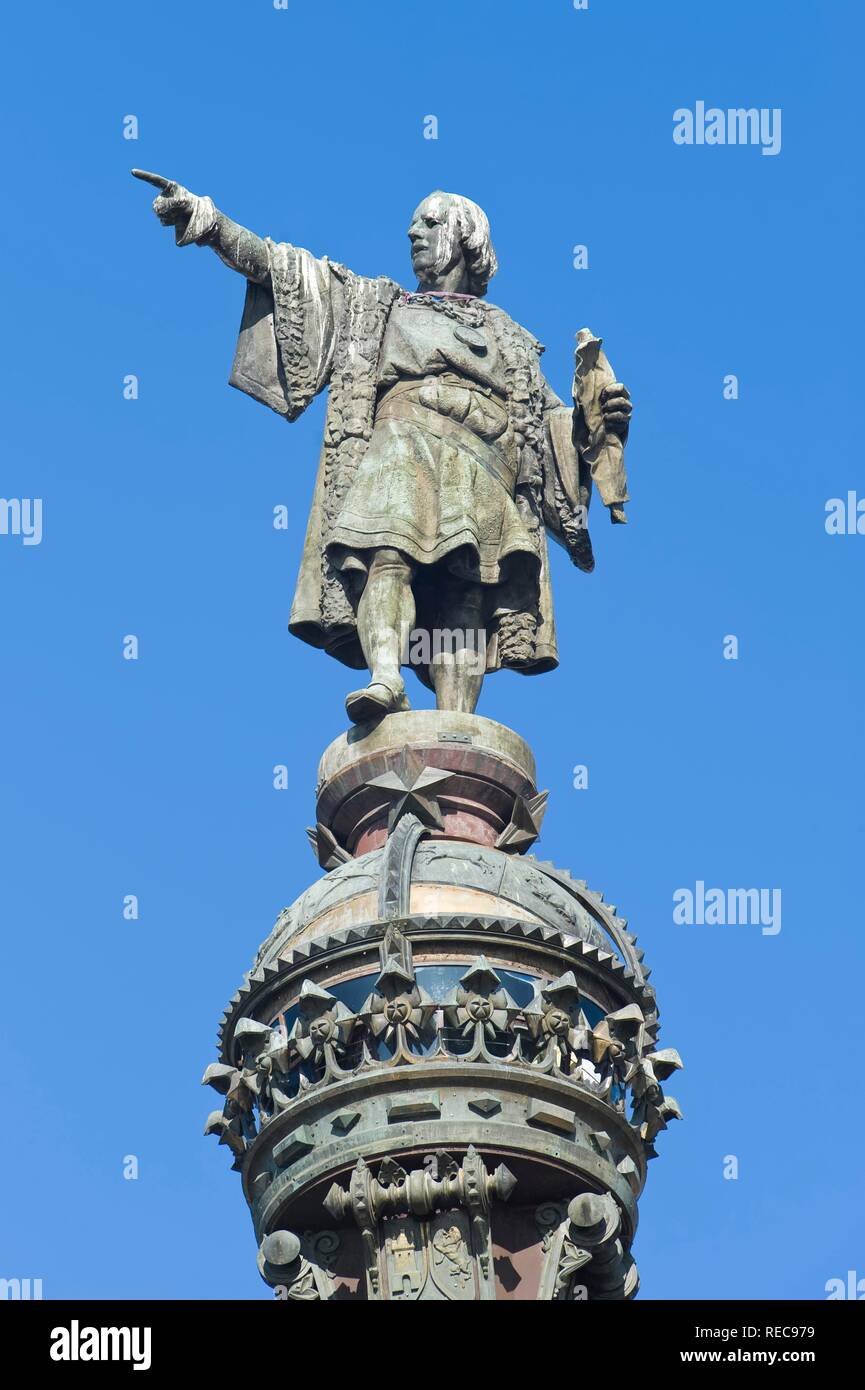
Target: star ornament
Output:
[
  {"x": 326, "y": 848},
  {"x": 525, "y": 823},
  {"x": 410, "y": 788}
]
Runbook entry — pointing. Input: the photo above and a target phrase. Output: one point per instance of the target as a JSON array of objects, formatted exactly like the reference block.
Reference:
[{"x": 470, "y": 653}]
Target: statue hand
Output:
[
  {"x": 616, "y": 406},
  {"x": 175, "y": 204}
]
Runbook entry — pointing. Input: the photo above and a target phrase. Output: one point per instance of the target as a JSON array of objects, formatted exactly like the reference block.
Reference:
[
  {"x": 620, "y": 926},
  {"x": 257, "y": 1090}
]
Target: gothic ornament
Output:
[{"x": 426, "y": 1231}]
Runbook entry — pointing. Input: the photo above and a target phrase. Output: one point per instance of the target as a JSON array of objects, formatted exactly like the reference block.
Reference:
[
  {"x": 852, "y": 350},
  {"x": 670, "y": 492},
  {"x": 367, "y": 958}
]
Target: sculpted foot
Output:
[{"x": 376, "y": 700}]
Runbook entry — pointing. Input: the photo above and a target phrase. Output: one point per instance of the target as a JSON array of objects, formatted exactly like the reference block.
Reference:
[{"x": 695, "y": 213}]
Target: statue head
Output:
[{"x": 450, "y": 244}]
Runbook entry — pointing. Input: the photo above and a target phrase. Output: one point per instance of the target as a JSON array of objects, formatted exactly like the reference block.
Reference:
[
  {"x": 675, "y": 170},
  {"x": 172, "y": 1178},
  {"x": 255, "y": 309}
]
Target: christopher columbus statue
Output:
[{"x": 446, "y": 455}]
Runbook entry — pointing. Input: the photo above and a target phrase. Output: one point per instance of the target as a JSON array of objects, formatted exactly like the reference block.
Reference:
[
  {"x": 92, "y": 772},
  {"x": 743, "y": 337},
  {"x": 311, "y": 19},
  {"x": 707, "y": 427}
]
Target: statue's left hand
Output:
[{"x": 616, "y": 406}]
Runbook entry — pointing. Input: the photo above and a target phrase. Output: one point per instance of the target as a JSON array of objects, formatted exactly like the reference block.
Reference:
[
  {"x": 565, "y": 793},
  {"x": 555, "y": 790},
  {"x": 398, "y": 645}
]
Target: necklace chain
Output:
[{"x": 465, "y": 309}]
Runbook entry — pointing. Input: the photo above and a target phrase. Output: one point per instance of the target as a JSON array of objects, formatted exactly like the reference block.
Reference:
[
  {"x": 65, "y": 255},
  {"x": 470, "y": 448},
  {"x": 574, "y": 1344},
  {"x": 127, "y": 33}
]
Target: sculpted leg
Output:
[
  {"x": 459, "y": 658},
  {"x": 385, "y": 617}
]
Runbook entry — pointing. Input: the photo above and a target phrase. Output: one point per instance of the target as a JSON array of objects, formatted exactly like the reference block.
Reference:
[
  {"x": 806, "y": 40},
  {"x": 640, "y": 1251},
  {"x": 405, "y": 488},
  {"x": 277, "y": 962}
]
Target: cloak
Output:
[{"x": 317, "y": 324}]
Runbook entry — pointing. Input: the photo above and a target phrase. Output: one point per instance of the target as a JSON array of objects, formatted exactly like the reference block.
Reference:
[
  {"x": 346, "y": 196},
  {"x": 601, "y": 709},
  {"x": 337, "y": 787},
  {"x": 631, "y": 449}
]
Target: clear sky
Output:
[{"x": 154, "y": 777}]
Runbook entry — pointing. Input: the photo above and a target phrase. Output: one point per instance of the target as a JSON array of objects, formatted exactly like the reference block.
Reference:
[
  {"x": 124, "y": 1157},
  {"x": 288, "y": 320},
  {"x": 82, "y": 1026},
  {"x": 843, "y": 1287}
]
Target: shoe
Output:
[{"x": 374, "y": 701}]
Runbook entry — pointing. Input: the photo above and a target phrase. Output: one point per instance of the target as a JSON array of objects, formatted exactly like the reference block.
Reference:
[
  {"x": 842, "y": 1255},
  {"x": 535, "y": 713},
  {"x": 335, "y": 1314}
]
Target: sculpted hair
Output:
[{"x": 468, "y": 224}]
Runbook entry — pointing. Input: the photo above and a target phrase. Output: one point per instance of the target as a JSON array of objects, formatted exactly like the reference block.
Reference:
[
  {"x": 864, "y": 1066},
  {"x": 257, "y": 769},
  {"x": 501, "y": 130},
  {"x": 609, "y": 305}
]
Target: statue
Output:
[{"x": 446, "y": 455}]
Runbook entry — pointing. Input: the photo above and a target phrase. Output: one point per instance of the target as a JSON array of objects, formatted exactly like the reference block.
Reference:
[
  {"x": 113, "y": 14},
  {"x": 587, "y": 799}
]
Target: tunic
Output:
[{"x": 435, "y": 482}]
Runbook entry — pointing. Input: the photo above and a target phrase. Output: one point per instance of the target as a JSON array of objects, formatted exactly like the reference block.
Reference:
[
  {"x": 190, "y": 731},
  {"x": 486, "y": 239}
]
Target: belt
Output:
[
  {"x": 407, "y": 386},
  {"x": 392, "y": 407}
]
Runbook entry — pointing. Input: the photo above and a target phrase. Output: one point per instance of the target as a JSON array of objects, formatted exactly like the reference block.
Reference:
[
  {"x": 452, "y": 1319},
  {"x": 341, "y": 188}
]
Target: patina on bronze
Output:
[
  {"x": 447, "y": 456},
  {"x": 440, "y": 1079}
]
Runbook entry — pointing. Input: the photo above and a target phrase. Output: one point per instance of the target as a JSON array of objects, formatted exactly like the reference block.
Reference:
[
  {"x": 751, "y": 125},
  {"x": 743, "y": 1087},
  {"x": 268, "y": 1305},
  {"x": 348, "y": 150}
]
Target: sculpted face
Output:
[{"x": 434, "y": 248}]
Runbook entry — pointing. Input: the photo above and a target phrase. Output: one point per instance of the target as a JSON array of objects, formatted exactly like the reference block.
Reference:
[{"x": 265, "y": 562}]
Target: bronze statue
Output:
[{"x": 446, "y": 455}]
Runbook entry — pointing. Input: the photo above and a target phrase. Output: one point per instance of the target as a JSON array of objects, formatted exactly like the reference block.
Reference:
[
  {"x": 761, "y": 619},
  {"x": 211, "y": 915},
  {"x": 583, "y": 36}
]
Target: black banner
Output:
[{"x": 213, "y": 1338}]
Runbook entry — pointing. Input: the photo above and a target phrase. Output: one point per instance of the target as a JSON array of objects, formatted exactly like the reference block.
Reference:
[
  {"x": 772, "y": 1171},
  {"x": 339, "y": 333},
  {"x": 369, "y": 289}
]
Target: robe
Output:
[{"x": 316, "y": 325}]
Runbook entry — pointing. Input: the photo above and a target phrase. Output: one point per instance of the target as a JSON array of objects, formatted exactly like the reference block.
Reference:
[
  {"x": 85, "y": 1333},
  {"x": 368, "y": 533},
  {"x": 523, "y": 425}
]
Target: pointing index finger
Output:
[{"x": 166, "y": 185}]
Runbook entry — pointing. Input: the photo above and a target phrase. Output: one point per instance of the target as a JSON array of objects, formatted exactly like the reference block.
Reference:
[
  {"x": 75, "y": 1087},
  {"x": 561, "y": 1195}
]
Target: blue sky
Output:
[{"x": 155, "y": 777}]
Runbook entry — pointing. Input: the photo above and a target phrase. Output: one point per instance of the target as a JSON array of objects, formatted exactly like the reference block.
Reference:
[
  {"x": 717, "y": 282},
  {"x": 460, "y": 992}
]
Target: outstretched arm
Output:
[{"x": 197, "y": 222}]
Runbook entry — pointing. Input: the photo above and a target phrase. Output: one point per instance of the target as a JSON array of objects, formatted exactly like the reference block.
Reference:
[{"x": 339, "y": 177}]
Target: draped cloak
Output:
[{"x": 316, "y": 325}]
